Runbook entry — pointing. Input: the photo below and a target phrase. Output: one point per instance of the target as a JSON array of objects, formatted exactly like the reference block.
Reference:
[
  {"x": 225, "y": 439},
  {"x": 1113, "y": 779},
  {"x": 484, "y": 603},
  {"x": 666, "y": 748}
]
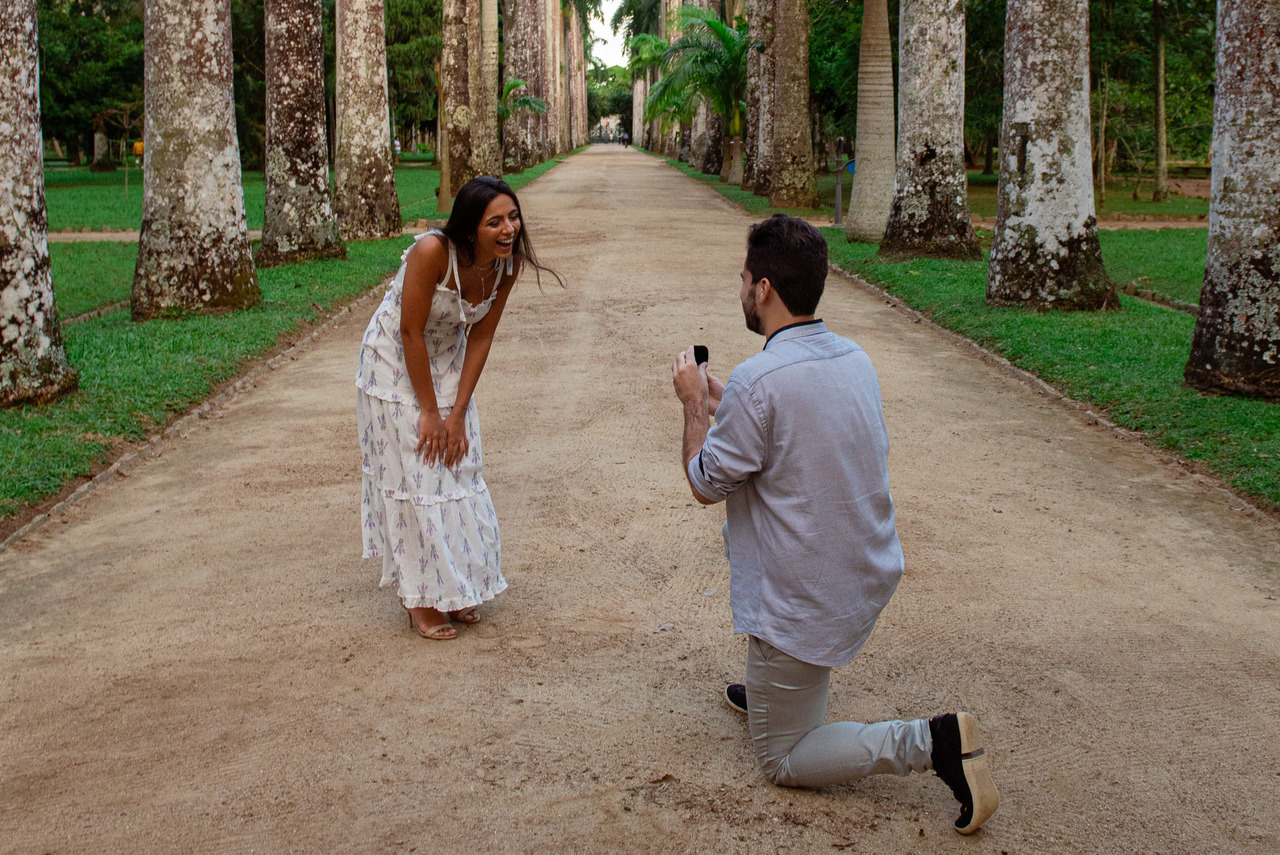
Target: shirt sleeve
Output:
[{"x": 735, "y": 445}]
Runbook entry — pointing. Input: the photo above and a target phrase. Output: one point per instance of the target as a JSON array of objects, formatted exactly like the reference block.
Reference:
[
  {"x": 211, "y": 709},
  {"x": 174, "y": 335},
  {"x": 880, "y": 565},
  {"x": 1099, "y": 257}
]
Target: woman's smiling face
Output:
[{"x": 496, "y": 234}]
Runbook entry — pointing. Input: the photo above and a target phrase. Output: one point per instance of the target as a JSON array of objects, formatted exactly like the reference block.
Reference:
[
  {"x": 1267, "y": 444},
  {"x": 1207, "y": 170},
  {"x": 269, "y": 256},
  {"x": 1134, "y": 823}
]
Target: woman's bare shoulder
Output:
[
  {"x": 432, "y": 246},
  {"x": 428, "y": 258}
]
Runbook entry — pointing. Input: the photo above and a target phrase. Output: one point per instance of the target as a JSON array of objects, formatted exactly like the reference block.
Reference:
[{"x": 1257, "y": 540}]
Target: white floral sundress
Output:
[{"x": 434, "y": 528}]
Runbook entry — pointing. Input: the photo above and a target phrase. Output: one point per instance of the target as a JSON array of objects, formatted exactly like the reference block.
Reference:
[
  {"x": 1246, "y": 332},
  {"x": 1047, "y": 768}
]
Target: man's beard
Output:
[{"x": 749, "y": 312}]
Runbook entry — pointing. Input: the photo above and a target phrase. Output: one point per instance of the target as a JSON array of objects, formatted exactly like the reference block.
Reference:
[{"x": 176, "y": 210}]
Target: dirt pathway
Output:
[{"x": 195, "y": 658}]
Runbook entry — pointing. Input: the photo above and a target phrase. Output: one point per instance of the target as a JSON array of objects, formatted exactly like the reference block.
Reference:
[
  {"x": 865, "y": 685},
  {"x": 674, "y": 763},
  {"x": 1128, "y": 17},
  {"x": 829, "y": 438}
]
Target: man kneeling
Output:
[{"x": 800, "y": 455}]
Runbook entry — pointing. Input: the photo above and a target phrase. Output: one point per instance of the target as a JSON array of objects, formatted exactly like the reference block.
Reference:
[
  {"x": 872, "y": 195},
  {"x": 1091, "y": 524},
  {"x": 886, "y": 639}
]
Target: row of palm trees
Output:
[
  {"x": 910, "y": 187},
  {"x": 194, "y": 251}
]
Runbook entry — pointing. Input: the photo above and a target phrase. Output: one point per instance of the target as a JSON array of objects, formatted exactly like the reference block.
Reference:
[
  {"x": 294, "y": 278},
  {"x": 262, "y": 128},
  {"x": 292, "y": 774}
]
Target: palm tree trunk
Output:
[
  {"x": 299, "y": 222},
  {"x": 792, "y": 183},
  {"x": 1236, "y": 347},
  {"x": 930, "y": 211},
  {"x": 1160, "y": 192},
  {"x": 523, "y": 37},
  {"x": 1045, "y": 253},
  {"x": 193, "y": 249},
  {"x": 551, "y": 59},
  {"x": 639, "y": 92},
  {"x": 757, "y": 156},
  {"x": 577, "y": 81},
  {"x": 455, "y": 85},
  {"x": 363, "y": 175},
  {"x": 872, "y": 190},
  {"x": 33, "y": 361},
  {"x": 486, "y": 152},
  {"x": 713, "y": 155}
]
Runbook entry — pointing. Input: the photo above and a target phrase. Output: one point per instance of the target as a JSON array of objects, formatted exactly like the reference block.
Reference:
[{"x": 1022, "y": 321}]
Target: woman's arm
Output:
[
  {"x": 479, "y": 340},
  {"x": 426, "y": 264}
]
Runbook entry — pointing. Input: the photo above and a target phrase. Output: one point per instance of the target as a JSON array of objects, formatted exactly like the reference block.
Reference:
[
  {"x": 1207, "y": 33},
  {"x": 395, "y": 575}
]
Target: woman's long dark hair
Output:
[{"x": 468, "y": 210}]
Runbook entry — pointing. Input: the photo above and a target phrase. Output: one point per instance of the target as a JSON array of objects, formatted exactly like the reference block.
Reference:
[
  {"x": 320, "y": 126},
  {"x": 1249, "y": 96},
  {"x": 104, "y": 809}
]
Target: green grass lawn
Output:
[
  {"x": 1119, "y": 200},
  {"x": 87, "y": 276},
  {"x": 1168, "y": 261},
  {"x": 135, "y": 378},
  {"x": 1128, "y": 363}
]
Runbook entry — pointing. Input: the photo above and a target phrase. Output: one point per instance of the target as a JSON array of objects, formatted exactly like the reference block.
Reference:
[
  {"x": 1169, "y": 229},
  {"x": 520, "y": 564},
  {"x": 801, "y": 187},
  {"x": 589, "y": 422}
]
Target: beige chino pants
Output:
[{"x": 787, "y": 702}]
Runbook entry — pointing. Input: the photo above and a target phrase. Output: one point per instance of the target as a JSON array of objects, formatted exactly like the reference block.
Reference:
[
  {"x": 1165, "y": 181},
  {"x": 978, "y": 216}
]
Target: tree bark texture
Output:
[
  {"x": 929, "y": 215},
  {"x": 577, "y": 82},
  {"x": 792, "y": 184},
  {"x": 1045, "y": 253},
  {"x": 871, "y": 193},
  {"x": 299, "y": 221},
  {"x": 486, "y": 154},
  {"x": 713, "y": 155},
  {"x": 670, "y": 32},
  {"x": 364, "y": 178},
  {"x": 1160, "y": 192},
  {"x": 193, "y": 249},
  {"x": 565, "y": 129},
  {"x": 455, "y": 90},
  {"x": 102, "y": 159},
  {"x": 639, "y": 92},
  {"x": 550, "y": 142},
  {"x": 33, "y": 362},
  {"x": 524, "y": 24},
  {"x": 757, "y": 150},
  {"x": 698, "y": 136},
  {"x": 1236, "y": 347}
]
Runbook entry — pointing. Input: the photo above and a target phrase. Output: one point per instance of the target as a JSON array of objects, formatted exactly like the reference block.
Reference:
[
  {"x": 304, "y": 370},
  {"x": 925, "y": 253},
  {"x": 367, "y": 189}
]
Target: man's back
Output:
[{"x": 801, "y": 451}]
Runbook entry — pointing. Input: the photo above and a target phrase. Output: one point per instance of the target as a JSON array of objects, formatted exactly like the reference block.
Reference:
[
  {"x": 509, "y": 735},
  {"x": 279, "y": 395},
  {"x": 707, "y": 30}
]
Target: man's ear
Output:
[{"x": 766, "y": 289}]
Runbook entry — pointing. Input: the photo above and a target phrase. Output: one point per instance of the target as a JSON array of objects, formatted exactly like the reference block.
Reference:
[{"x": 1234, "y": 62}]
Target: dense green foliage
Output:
[
  {"x": 706, "y": 63},
  {"x": 90, "y": 70},
  {"x": 413, "y": 53},
  {"x": 609, "y": 94}
]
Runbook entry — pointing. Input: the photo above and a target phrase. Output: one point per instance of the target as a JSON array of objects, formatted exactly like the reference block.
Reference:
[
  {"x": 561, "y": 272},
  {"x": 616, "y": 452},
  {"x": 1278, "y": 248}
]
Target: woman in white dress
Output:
[{"x": 425, "y": 509}]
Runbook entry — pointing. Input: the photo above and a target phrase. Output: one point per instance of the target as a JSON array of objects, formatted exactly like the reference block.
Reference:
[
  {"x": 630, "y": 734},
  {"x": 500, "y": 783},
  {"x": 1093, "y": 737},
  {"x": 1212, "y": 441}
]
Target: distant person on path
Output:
[
  {"x": 800, "y": 454},
  {"x": 425, "y": 509}
]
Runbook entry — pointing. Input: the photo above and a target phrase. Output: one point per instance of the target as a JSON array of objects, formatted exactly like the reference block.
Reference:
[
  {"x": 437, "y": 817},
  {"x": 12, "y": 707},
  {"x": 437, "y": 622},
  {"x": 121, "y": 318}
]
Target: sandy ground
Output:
[{"x": 195, "y": 658}]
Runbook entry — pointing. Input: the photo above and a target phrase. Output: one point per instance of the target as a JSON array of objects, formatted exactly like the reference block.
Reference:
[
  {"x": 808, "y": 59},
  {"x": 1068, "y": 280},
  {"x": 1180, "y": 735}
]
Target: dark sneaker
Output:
[
  {"x": 735, "y": 695},
  {"x": 961, "y": 763}
]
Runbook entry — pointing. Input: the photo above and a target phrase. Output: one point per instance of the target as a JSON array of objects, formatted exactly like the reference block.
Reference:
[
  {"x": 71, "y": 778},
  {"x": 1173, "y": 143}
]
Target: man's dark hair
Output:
[{"x": 792, "y": 255}]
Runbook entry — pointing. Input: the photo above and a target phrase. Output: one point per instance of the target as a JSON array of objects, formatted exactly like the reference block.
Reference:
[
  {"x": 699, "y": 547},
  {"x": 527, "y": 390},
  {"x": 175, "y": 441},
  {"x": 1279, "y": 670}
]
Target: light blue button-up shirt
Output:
[{"x": 800, "y": 454}]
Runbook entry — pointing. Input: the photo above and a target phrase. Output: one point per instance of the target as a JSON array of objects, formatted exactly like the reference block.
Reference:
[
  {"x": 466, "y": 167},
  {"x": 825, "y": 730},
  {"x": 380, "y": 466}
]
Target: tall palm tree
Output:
[
  {"x": 193, "y": 250},
  {"x": 1236, "y": 347},
  {"x": 708, "y": 62},
  {"x": 872, "y": 191},
  {"x": 792, "y": 183},
  {"x": 1045, "y": 252},
  {"x": 930, "y": 211},
  {"x": 637, "y": 18},
  {"x": 363, "y": 175},
  {"x": 33, "y": 362},
  {"x": 298, "y": 222}
]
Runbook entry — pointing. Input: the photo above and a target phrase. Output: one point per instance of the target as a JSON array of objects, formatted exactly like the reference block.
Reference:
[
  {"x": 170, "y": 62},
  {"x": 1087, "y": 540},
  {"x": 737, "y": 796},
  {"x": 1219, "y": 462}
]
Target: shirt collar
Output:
[{"x": 796, "y": 325}]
